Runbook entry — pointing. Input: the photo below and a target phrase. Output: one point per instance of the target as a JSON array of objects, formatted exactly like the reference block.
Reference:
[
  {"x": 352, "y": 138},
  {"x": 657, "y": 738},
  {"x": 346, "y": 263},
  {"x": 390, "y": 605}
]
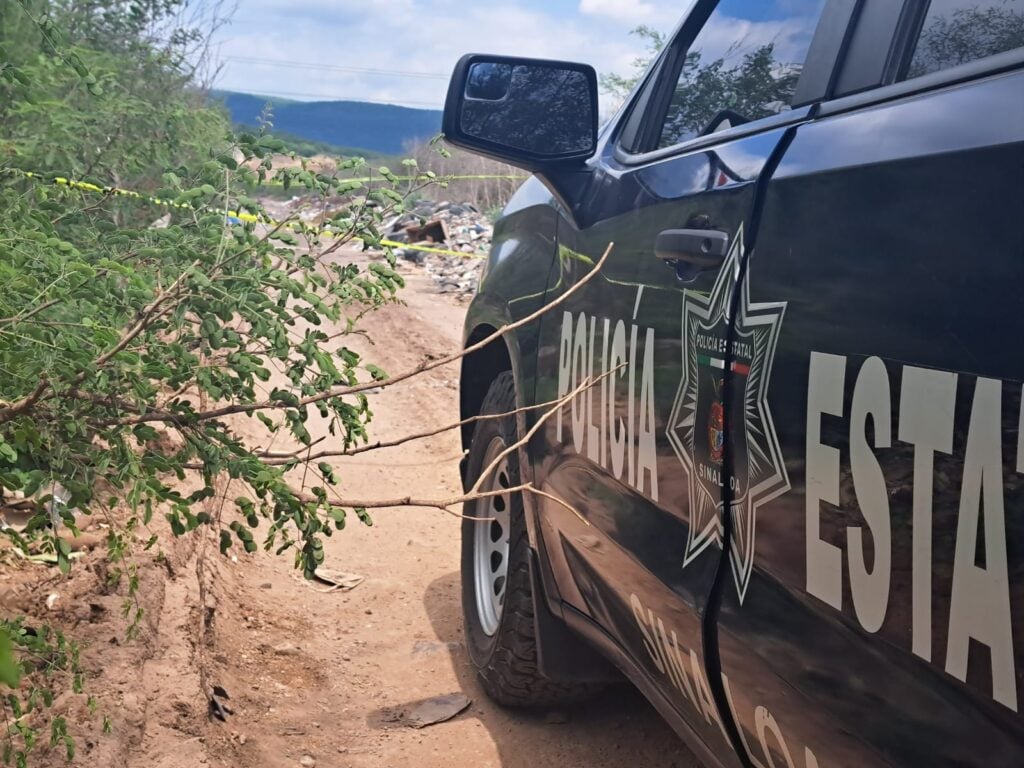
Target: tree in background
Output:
[
  {"x": 708, "y": 88},
  {"x": 113, "y": 98},
  {"x": 620, "y": 86},
  {"x": 756, "y": 87},
  {"x": 129, "y": 352},
  {"x": 967, "y": 34}
]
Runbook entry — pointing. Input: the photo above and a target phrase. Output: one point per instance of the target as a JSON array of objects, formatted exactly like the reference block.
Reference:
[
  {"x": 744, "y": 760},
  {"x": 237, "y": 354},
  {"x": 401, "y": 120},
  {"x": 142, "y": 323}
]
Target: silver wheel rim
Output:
[{"x": 491, "y": 542}]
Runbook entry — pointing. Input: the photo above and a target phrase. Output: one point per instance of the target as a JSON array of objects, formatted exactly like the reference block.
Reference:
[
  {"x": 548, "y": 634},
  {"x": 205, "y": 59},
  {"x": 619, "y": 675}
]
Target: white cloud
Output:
[
  {"x": 733, "y": 38},
  {"x": 425, "y": 37},
  {"x": 632, "y": 11}
]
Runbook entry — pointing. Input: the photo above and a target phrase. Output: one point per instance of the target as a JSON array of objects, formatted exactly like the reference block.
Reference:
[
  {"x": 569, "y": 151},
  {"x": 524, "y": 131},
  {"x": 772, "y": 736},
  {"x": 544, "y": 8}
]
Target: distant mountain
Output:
[{"x": 383, "y": 128}]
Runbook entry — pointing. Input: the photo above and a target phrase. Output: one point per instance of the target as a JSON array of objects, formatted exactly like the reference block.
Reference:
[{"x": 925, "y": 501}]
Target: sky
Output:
[
  {"x": 403, "y": 51},
  {"x": 412, "y": 45}
]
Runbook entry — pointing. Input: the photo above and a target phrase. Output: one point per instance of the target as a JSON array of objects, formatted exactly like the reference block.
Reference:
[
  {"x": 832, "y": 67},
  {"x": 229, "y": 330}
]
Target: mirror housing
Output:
[{"x": 534, "y": 114}]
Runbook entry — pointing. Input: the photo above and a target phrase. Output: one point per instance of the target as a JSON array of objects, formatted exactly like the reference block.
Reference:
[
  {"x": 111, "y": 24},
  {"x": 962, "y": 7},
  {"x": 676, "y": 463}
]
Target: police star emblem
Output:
[{"x": 695, "y": 427}]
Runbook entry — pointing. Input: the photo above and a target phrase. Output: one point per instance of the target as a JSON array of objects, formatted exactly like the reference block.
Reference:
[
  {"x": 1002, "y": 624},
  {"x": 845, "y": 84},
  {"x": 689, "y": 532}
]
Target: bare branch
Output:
[
  {"x": 278, "y": 458},
  {"x": 525, "y": 439},
  {"x": 570, "y": 507},
  {"x": 8, "y": 412},
  {"x": 410, "y": 501}
]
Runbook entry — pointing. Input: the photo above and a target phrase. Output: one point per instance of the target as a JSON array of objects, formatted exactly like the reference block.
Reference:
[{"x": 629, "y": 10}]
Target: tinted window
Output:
[
  {"x": 958, "y": 31},
  {"x": 743, "y": 65}
]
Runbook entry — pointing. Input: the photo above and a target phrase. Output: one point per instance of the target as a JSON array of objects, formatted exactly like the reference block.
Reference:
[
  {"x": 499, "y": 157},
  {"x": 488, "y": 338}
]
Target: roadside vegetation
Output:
[
  {"x": 138, "y": 330},
  {"x": 133, "y": 327}
]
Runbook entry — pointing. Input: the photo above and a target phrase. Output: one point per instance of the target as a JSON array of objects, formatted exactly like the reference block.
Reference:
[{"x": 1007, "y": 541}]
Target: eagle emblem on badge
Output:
[{"x": 696, "y": 427}]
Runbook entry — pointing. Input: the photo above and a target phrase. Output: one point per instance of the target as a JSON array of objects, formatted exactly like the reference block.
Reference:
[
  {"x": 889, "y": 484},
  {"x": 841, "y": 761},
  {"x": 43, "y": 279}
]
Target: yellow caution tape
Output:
[
  {"x": 367, "y": 179},
  {"x": 241, "y": 216},
  {"x": 86, "y": 186},
  {"x": 427, "y": 249}
]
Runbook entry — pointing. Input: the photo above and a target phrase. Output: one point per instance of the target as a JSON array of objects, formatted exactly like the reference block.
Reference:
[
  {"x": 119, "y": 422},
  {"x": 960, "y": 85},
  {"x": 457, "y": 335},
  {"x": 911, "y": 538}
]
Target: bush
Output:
[{"x": 131, "y": 349}]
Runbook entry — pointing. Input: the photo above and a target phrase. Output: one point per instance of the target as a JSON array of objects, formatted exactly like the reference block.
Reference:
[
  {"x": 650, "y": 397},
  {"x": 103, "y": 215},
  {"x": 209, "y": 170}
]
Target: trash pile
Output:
[
  {"x": 459, "y": 228},
  {"x": 456, "y": 227}
]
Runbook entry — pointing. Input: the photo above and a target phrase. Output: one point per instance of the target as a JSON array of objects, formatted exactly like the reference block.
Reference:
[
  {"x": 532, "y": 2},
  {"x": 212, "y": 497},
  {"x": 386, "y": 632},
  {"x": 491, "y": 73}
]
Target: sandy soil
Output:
[{"x": 327, "y": 676}]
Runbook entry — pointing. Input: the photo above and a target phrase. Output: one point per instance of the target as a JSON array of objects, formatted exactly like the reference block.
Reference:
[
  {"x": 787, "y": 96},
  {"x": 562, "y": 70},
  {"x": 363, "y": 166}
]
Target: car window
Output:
[
  {"x": 959, "y": 31},
  {"x": 743, "y": 65}
]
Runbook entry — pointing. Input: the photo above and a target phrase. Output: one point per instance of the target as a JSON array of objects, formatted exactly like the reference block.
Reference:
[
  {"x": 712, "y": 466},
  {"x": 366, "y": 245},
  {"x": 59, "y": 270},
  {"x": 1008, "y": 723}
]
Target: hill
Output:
[{"x": 383, "y": 128}]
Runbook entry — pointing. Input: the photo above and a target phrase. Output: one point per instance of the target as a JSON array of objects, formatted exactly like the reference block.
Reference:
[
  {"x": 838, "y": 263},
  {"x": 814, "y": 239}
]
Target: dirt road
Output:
[{"x": 326, "y": 676}]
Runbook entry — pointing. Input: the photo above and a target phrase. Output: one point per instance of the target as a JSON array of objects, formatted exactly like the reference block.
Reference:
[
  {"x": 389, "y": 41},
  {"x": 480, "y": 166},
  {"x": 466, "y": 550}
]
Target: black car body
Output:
[{"x": 791, "y": 508}]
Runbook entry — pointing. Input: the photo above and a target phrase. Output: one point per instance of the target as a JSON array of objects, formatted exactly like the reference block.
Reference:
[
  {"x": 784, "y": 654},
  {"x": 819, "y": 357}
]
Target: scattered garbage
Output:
[
  {"x": 17, "y": 510},
  {"x": 59, "y": 497},
  {"x": 459, "y": 228},
  {"x": 42, "y": 558},
  {"x": 218, "y": 709},
  {"x": 337, "y": 580},
  {"x": 438, "y": 709}
]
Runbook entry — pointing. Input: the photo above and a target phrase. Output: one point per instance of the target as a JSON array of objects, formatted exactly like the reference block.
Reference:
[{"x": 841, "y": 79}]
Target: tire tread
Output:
[{"x": 510, "y": 675}]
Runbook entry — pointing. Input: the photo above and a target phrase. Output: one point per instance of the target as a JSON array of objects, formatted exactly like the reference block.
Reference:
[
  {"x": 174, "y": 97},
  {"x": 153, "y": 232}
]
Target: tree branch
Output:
[
  {"x": 229, "y": 410},
  {"x": 587, "y": 383},
  {"x": 277, "y": 458}
]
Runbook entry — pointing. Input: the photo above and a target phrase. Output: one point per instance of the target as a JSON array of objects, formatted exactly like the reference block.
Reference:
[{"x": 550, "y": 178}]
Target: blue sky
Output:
[
  {"x": 264, "y": 48},
  {"x": 324, "y": 48}
]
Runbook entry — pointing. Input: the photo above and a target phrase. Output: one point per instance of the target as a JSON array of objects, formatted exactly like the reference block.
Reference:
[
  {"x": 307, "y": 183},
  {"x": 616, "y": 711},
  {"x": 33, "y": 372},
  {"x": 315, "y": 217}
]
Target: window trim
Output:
[
  {"x": 831, "y": 35},
  {"x": 829, "y": 45},
  {"x": 903, "y": 34},
  {"x": 783, "y": 119},
  {"x": 904, "y": 41},
  {"x": 870, "y": 48},
  {"x": 637, "y": 123},
  {"x": 978, "y": 69}
]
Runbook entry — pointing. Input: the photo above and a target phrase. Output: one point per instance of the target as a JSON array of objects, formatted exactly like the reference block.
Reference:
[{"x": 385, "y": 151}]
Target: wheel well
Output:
[{"x": 478, "y": 371}]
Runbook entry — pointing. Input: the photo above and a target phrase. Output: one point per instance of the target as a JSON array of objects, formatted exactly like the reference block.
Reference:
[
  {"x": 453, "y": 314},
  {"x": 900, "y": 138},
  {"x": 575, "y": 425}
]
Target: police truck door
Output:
[{"x": 882, "y": 621}]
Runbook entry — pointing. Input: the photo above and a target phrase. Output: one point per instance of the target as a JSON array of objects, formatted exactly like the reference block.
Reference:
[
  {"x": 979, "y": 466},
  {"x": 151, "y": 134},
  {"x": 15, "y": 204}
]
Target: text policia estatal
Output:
[
  {"x": 979, "y": 595},
  {"x": 613, "y": 424},
  {"x": 625, "y": 447}
]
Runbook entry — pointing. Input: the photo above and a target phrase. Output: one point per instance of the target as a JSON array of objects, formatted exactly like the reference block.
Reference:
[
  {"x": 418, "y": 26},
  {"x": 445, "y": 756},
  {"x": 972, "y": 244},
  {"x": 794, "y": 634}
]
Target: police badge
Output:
[{"x": 758, "y": 471}]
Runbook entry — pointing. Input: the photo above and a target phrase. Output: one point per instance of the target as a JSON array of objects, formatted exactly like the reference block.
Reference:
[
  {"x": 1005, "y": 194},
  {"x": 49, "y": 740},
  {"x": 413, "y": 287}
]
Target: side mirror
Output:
[{"x": 530, "y": 113}]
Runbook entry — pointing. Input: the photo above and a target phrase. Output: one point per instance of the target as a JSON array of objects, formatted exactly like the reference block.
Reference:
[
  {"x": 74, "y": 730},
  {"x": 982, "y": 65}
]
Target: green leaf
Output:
[
  {"x": 10, "y": 670},
  {"x": 376, "y": 373}
]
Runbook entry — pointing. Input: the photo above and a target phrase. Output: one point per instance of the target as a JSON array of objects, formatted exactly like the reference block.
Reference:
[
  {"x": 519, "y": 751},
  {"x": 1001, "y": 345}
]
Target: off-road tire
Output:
[{"x": 506, "y": 661}]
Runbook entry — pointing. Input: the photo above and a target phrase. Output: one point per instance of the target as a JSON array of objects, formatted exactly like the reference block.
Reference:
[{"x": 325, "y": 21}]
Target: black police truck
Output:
[{"x": 771, "y": 448}]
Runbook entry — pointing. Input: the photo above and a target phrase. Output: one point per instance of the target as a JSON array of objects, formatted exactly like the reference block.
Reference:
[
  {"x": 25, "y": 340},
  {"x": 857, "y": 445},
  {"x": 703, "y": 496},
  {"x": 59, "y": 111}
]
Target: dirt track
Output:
[{"x": 328, "y": 675}]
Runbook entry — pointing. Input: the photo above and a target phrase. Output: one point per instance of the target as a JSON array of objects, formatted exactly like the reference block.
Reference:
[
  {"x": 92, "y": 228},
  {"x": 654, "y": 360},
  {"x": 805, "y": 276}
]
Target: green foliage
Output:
[
  {"x": 127, "y": 135},
  {"x": 49, "y": 662},
  {"x": 136, "y": 356},
  {"x": 126, "y": 348},
  {"x": 119, "y": 114}
]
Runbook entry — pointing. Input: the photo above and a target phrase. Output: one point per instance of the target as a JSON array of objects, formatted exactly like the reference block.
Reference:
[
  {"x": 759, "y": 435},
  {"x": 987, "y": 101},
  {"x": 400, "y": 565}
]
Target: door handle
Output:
[{"x": 703, "y": 248}]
